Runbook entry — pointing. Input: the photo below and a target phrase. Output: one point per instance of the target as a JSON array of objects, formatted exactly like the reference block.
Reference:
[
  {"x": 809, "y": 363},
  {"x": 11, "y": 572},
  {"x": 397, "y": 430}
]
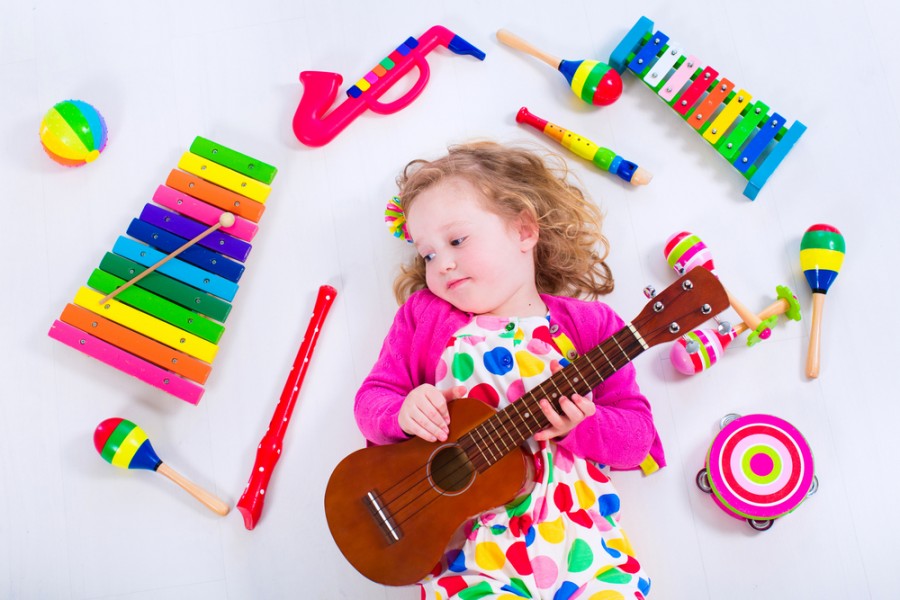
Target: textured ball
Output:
[{"x": 73, "y": 133}]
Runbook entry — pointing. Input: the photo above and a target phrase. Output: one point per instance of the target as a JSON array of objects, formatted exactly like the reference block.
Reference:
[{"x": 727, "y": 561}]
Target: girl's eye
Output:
[
  {"x": 457, "y": 241},
  {"x": 428, "y": 257}
]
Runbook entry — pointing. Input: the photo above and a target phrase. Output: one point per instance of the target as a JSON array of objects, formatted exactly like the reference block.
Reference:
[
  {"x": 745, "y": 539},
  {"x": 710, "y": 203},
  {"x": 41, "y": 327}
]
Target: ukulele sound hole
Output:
[{"x": 450, "y": 470}]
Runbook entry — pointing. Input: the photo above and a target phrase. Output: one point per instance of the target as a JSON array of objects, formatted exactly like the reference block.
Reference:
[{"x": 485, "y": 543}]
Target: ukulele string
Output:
[{"x": 610, "y": 344}]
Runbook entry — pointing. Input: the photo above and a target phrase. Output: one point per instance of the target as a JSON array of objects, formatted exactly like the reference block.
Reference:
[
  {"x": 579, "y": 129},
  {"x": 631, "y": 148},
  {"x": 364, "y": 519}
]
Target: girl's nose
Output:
[{"x": 447, "y": 264}]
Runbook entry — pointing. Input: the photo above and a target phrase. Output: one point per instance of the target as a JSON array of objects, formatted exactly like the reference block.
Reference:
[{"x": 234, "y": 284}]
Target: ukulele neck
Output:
[{"x": 494, "y": 438}]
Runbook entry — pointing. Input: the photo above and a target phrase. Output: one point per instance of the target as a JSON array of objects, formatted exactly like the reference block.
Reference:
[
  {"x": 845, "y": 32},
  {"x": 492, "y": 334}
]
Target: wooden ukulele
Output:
[{"x": 392, "y": 509}]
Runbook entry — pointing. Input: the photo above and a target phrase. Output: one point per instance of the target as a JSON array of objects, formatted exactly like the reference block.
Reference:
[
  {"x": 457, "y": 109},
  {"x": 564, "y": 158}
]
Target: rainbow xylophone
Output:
[
  {"x": 751, "y": 138},
  {"x": 165, "y": 329}
]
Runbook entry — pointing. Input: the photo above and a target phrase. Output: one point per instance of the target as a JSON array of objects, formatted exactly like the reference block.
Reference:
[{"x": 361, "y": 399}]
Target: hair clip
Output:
[{"x": 396, "y": 219}]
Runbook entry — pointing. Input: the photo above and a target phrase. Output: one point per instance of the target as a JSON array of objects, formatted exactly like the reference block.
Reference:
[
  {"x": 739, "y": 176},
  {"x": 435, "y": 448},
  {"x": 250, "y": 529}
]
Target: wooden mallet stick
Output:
[{"x": 226, "y": 219}]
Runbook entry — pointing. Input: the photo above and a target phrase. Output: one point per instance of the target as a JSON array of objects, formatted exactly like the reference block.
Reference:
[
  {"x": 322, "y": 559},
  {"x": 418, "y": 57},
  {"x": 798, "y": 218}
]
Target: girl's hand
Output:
[
  {"x": 424, "y": 412},
  {"x": 576, "y": 410}
]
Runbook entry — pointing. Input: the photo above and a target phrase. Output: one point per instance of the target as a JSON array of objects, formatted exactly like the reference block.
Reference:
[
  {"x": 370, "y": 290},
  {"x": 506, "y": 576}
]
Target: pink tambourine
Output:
[{"x": 758, "y": 468}]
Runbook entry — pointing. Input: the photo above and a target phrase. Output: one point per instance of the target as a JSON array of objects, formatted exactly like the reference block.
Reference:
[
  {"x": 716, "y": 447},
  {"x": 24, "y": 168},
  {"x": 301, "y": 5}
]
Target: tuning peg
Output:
[
  {"x": 650, "y": 291},
  {"x": 690, "y": 346},
  {"x": 722, "y": 327}
]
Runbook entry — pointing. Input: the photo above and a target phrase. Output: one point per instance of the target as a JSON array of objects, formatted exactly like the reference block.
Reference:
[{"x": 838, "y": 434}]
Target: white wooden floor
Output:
[{"x": 72, "y": 526}]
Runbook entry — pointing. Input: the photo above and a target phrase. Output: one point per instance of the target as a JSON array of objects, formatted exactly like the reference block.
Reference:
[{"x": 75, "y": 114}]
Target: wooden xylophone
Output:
[
  {"x": 165, "y": 329},
  {"x": 753, "y": 138}
]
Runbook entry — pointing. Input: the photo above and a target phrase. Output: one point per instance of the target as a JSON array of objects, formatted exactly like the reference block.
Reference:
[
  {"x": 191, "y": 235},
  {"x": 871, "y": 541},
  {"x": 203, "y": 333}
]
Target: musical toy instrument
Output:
[
  {"x": 748, "y": 134},
  {"x": 592, "y": 81},
  {"x": 123, "y": 444},
  {"x": 603, "y": 158},
  {"x": 314, "y": 128},
  {"x": 392, "y": 509},
  {"x": 269, "y": 450},
  {"x": 821, "y": 256},
  {"x": 699, "y": 349},
  {"x": 165, "y": 329},
  {"x": 684, "y": 251},
  {"x": 758, "y": 468}
]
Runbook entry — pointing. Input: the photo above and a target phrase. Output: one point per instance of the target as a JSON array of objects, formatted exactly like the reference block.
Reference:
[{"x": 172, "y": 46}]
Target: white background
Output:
[{"x": 72, "y": 526}]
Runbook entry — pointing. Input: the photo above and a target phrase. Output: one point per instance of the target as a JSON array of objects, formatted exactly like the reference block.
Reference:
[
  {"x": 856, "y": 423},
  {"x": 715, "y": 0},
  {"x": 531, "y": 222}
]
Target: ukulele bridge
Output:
[{"x": 383, "y": 517}]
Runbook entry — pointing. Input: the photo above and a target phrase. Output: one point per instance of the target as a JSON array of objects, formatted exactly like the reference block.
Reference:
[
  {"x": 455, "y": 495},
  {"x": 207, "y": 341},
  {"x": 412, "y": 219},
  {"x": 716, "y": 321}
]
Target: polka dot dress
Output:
[{"x": 562, "y": 541}]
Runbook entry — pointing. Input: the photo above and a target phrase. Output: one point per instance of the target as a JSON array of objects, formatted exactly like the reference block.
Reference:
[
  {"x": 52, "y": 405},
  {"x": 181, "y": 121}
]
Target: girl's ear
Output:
[{"x": 528, "y": 231}]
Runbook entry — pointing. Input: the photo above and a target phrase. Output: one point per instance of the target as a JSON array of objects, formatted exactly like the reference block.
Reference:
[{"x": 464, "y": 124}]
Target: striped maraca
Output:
[
  {"x": 123, "y": 444},
  {"x": 821, "y": 256},
  {"x": 592, "y": 81},
  {"x": 684, "y": 251}
]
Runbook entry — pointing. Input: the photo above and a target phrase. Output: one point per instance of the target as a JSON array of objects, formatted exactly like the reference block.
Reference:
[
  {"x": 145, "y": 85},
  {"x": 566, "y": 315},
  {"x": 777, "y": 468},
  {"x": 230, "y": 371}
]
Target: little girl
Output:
[{"x": 504, "y": 244}]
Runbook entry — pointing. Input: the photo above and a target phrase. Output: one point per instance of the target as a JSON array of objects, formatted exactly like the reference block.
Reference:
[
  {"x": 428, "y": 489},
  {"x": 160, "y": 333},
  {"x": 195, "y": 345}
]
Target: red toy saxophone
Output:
[
  {"x": 314, "y": 128},
  {"x": 269, "y": 450}
]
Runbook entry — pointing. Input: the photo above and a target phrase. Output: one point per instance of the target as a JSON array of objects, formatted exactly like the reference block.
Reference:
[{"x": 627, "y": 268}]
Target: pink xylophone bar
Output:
[{"x": 752, "y": 140}]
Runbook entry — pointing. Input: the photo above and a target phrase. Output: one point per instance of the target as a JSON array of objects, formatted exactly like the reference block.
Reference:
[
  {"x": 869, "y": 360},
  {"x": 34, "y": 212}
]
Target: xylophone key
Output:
[
  {"x": 656, "y": 76},
  {"x": 216, "y": 241},
  {"x": 226, "y": 178},
  {"x": 710, "y": 104},
  {"x": 647, "y": 54},
  {"x": 158, "y": 307},
  {"x": 135, "y": 343},
  {"x": 766, "y": 134},
  {"x": 682, "y": 75},
  {"x": 149, "y": 326},
  {"x": 167, "y": 287},
  {"x": 690, "y": 96},
  {"x": 177, "y": 269},
  {"x": 201, "y": 211},
  {"x": 207, "y": 260},
  {"x": 731, "y": 145},
  {"x": 729, "y": 114},
  {"x": 126, "y": 362},
  {"x": 192, "y": 185},
  {"x": 234, "y": 160}
]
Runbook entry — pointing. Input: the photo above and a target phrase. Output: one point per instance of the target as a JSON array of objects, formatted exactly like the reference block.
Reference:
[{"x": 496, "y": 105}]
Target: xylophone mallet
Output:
[
  {"x": 592, "y": 81},
  {"x": 821, "y": 256},
  {"x": 123, "y": 444},
  {"x": 226, "y": 219}
]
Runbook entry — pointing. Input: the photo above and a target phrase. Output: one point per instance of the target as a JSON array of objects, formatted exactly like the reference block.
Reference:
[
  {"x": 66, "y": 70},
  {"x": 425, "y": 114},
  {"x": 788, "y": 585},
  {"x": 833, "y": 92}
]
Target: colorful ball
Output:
[
  {"x": 123, "y": 444},
  {"x": 821, "y": 256},
  {"x": 592, "y": 81},
  {"x": 73, "y": 133}
]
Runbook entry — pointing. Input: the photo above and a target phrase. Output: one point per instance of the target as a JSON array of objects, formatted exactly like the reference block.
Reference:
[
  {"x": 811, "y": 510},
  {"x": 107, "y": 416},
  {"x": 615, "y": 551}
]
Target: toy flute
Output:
[
  {"x": 269, "y": 450},
  {"x": 821, "y": 256},
  {"x": 313, "y": 128},
  {"x": 603, "y": 158}
]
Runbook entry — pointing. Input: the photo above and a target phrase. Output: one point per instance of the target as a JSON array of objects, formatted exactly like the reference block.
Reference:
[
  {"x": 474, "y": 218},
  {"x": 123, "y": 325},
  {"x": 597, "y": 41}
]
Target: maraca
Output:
[
  {"x": 821, "y": 256},
  {"x": 684, "y": 251},
  {"x": 123, "y": 444},
  {"x": 699, "y": 349},
  {"x": 592, "y": 81}
]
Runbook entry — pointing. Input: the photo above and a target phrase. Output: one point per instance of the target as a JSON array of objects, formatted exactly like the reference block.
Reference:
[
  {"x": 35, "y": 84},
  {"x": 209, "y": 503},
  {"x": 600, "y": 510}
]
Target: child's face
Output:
[{"x": 474, "y": 258}]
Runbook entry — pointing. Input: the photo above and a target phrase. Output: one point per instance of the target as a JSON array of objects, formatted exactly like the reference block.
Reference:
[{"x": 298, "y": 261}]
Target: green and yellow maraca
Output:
[
  {"x": 123, "y": 444},
  {"x": 821, "y": 256}
]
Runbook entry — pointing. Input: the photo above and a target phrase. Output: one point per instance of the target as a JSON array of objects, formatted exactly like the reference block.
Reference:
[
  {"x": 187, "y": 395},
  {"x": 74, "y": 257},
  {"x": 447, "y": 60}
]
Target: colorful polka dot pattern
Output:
[{"x": 563, "y": 540}]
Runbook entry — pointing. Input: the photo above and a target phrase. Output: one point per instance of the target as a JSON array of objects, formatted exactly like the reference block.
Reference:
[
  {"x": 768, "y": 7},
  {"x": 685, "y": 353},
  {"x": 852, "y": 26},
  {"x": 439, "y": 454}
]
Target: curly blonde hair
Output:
[{"x": 571, "y": 251}]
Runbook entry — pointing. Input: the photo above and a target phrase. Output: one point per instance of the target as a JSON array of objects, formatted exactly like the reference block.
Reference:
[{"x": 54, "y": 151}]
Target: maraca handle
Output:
[
  {"x": 210, "y": 501},
  {"x": 812, "y": 359},
  {"x": 514, "y": 41}
]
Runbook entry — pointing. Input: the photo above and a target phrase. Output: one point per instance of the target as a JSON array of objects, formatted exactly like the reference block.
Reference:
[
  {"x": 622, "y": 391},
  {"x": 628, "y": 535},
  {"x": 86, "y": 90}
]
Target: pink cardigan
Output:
[{"x": 620, "y": 434}]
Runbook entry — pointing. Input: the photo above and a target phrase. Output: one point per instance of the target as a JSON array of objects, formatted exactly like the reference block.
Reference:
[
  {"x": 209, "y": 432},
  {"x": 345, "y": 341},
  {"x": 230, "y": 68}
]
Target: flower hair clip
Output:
[{"x": 396, "y": 219}]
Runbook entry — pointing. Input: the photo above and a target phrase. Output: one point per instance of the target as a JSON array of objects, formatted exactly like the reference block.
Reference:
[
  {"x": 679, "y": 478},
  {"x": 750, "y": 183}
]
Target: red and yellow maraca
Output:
[
  {"x": 123, "y": 444},
  {"x": 593, "y": 81},
  {"x": 821, "y": 256}
]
